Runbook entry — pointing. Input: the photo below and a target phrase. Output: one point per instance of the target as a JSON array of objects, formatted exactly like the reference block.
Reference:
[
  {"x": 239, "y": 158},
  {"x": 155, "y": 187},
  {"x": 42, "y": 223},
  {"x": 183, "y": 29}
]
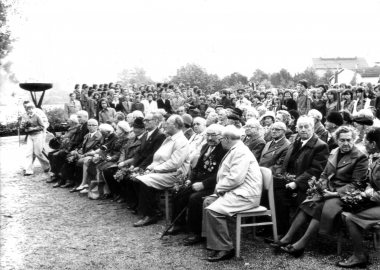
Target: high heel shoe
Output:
[
  {"x": 278, "y": 244},
  {"x": 292, "y": 251}
]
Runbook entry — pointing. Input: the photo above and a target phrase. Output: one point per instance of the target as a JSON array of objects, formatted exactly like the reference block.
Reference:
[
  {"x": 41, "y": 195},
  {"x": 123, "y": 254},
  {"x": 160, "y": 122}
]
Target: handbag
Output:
[{"x": 96, "y": 190}]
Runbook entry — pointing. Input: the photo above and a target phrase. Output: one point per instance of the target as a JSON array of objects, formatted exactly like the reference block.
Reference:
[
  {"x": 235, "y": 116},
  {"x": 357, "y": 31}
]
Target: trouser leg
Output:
[
  {"x": 113, "y": 185},
  {"x": 29, "y": 156},
  {"x": 178, "y": 204},
  {"x": 195, "y": 204},
  {"x": 147, "y": 200},
  {"x": 282, "y": 206},
  {"x": 37, "y": 150}
]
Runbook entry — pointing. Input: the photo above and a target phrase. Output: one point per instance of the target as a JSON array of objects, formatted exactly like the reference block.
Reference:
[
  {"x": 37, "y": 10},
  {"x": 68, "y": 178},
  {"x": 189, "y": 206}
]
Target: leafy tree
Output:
[
  {"x": 136, "y": 75},
  {"x": 325, "y": 79},
  {"x": 235, "y": 79},
  {"x": 6, "y": 38},
  {"x": 310, "y": 75},
  {"x": 259, "y": 76},
  {"x": 197, "y": 76}
]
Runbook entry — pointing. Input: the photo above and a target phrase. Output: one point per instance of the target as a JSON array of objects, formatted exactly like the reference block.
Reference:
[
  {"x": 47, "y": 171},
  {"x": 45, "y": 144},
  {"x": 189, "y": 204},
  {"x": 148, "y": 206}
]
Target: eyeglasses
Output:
[
  {"x": 277, "y": 129},
  {"x": 214, "y": 136}
]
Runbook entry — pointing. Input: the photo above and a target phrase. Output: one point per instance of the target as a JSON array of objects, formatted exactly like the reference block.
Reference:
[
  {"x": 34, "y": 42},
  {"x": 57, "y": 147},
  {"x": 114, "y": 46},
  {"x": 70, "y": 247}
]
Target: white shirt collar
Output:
[
  {"x": 305, "y": 141},
  {"x": 150, "y": 133}
]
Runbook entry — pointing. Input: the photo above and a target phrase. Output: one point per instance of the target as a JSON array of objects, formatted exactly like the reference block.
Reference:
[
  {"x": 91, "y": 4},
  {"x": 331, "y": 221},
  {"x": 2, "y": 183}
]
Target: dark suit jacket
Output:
[
  {"x": 274, "y": 154},
  {"x": 166, "y": 106},
  {"x": 255, "y": 144},
  {"x": 200, "y": 174},
  {"x": 332, "y": 144},
  {"x": 92, "y": 143},
  {"x": 130, "y": 149},
  {"x": 138, "y": 106},
  {"x": 125, "y": 107},
  {"x": 92, "y": 108},
  {"x": 189, "y": 133},
  {"x": 148, "y": 148},
  {"x": 310, "y": 162},
  {"x": 77, "y": 139},
  {"x": 291, "y": 104},
  {"x": 225, "y": 102}
]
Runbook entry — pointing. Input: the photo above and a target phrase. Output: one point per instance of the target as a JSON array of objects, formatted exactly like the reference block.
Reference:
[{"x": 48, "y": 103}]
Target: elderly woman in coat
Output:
[
  {"x": 161, "y": 173},
  {"x": 365, "y": 219},
  {"x": 346, "y": 165}
]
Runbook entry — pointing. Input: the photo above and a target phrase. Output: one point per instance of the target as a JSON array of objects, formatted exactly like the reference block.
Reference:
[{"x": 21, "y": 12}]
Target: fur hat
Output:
[
  {"x": 138, "y": 123},
  {"x": 233, "y": 116},
  {"x": 335, "y": 118},
  {"x": 363, "y": 120},
  {"x": 294, "y": 113},
  {"x": 238, "y": 112}
]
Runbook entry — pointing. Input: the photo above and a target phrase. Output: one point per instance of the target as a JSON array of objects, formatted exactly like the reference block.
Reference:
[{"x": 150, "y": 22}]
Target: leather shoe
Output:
[
  {"x": 145, "y": 221},
  {"x": 132, "y": 206},
  {"x": 106, "y": 196},
  {"x": 292, "y": 251},
  {"x": 175, "y": 230},
  {"x": 74, "y": 189},
  {"x": 68, "y": 184},
  {"x": 121, "y": 200},
  {"x": 278, "y": 244},
  {"x": 222, "y": 255},
  {"x": 52, "y": 179},
  {"x": 192, "y": 240},
  {"x": 116, "y": 198},
  {"x": 58, "y": 184}
]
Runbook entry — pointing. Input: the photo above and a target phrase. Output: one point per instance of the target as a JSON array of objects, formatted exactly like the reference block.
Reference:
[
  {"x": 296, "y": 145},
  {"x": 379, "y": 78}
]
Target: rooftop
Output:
[{"x": 333, "y": 63}]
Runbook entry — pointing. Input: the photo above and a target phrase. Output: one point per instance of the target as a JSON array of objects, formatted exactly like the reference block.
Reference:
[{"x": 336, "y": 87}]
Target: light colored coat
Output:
[
  {"x": 171, "y": 156},
  {"x": 240, "y": 177},
  {"x": 195, "y": 145},
  {"x": 71, "y": 108},
  {"x": 150, "y": 107}
]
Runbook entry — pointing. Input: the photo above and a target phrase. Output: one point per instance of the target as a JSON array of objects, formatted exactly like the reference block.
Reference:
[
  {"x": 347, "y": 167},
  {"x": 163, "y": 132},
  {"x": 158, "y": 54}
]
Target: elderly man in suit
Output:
[
  {"x": 71, "y": 107},
  {"x": 306, "y": 157},
  {"x": 238, "y": 188},
  {"x": 161, "y": 174},
  {"x": 274, "y": 151},
  {"x": 253, "y": 138},
  {"x": 58, "y": 158},
  {"x": 202, "y": 180}
]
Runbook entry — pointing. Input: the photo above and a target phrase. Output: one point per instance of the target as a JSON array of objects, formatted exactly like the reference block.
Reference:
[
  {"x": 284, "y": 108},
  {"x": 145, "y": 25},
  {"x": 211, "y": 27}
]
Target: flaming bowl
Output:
[{"x": 36, "y": 87}]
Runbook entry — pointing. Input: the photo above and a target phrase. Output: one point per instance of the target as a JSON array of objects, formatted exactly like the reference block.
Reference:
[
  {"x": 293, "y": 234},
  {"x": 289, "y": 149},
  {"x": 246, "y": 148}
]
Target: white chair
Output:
[{"x": 258, "y": 211}]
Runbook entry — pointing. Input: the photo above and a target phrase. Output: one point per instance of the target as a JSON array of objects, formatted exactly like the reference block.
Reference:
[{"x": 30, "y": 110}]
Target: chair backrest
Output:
[{"x": 267, "y": 177}]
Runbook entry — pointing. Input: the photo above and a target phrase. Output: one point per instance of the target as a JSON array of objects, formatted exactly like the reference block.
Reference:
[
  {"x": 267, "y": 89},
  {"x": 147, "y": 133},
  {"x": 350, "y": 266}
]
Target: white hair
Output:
[
  {"x": 124, "y": 126},
  {"x": 253, "y": 111},
  {"x": 223, "y": 111},
  {"x": 232, "y": 132},
  {"x": 366, "y": 113},
  {"x": 106, "y": 127},
  {"x": 315, "y": 113},
  {"x": 83, "y": 113},
  {"x": 74, "y": 118},
  {"x": 201, "y": 120},
  {"x": 256, "y": 123},
  {"x": 137, "y": 113},
  {"x": 92, "y": 121},
  {"x": 218, "y": 128},
  {"x": 307, "y": 119},
  {"x": 210, "y": 109}
]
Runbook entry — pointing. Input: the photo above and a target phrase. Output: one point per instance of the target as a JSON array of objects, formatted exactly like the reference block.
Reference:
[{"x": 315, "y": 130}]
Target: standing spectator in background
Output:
[
  {"x": 303, "y": 100},
  {"x": 150, "y": 104},
  {"x": 106, "y": 113},
  {"x": 177, "y": 101},
  {"x": 92, "y": 105},
  {"x": 225, "y": 101},
  {"x": 125, "y": 105},
  {"x": 137, "y": 105},
  {"x": 256, "y": 101},
  {"x": 347, "y": 103},
  {"x": 333, "y": 121},
  {"x": 71, "y": 107},
  {"x": 164, "y": 103},
  {"x": 84, "y": 96},
  {"x": 77, "y": 92},
  {"x": 332, "y": 101},
  {"x": 376, "y": 102},
  {"x": 203, "y": 106},
  {"x": 361, "y": 102},
  {"x": 318, "y": 103},
  {"x": 241, "y": 99},
  {"x": 222, "y": 117}
]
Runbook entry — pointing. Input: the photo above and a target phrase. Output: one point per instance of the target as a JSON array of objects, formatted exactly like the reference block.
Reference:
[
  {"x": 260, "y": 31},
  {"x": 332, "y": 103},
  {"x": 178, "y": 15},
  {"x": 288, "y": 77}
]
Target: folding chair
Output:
[{"x": 258, "y": 211}]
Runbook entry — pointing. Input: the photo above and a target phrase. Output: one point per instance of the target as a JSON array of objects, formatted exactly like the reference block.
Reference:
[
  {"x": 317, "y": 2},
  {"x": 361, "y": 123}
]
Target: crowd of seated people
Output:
[{"x": 129, "y": 143}]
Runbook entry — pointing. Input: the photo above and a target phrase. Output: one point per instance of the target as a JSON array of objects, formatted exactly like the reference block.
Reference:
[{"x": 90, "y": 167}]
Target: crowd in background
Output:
[{"x": 128, "y": 143}]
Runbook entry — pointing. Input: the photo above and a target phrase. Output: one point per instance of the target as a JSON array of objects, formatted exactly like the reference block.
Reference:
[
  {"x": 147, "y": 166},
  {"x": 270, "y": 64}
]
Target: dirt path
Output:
[{"x": 46, "y": 228}]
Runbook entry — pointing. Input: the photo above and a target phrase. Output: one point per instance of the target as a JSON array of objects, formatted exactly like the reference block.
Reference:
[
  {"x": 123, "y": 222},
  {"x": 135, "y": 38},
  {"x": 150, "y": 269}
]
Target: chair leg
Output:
[
  {"x": 167, "y": 204},
  {"x": 254, "y": 228},
  {"x": 340, "y": 236},
  {"x": 238, "y": 235}
]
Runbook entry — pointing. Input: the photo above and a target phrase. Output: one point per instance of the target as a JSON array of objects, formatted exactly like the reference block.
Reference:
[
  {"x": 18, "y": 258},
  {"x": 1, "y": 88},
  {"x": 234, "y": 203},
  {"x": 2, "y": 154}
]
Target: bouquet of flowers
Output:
[
  {"x": 98, "y": 158},
  {"x": 289, "y": 177},
  {"x": 137, "y": 173},
  {"x": 73, "y": 157},
  {"x": 358, "y": 199},
  {"x": 121, "y": 173},
  {"x": 181, "y": 177},
  {"x": 316, "y": 188}
]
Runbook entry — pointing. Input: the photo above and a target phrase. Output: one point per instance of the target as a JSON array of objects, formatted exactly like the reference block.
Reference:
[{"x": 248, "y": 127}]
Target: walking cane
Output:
[{"x": 171, "y": 225}]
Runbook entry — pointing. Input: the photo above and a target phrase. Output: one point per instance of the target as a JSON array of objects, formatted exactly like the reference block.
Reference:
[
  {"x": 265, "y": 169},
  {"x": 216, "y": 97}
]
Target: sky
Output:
[{"x": 91, "y": 41}]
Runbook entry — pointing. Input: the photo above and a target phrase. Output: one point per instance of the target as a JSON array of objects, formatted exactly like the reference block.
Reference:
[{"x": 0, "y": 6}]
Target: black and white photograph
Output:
[{"x": 189, "y": 134}]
